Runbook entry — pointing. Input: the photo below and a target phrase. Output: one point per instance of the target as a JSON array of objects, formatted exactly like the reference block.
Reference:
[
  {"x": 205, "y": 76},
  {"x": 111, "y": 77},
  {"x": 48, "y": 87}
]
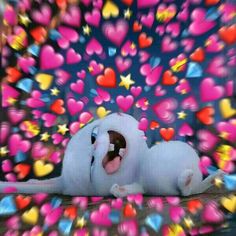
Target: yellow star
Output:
[
  {"x": 188, "y": 222},
  {"x": 11, "y": 100},
  {"x": 90, "y": 69},
  {"x": 55, "y": 91},
  {"x": 127, "y": 14},
  {"x": 182, "y": 115},
  {"x": 218, "y": 182},
  {"x": 62, "y": 129},
  {"x": 24, "y": 19},
  {"x": 224, "y": 135},
  {"x": 45, "y": 136},
  {"x": 126, "y": 81},
  {"x": 86, "y": 30},
  {"x": 80, "y": 222},
  {"x": 133, "y": 46},
  {"x": 3, "y": 151}
]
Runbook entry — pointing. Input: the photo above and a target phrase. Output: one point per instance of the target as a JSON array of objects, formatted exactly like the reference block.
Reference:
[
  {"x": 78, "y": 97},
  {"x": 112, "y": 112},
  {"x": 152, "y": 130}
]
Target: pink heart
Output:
[
  {"x": 128, "y": 49},
  {"x": 228, "y": 127},
  {"x": 39, "y": 197},
  {"x": 122, "y": 64},
  {"x": 164, "y": 110},
  {"x": 185, "y": 130},
  {"x": 38, "y": 150},
  {"x": 190, "y": 103},
  {"x": 85, "y": 117},
  {"x": 62, "y": 76},
  {"x": 143, "y": 56},
  {"x": 211, "y": 213},
  {"x": 176, "y": 213},
  {"x": 13, "y": 222},
  {"x": 116, "y": 33},
  {"x": 152, "y": 74},
  {"x": 55, "y": 61},
  {"x": 74, "y": 127},
  {"x": 204, "y": 163},
  {"x": 93, "y": 18},
  {"x": 7, "y": 93},
  {"x": 101, "y": 216},
  {"x": 53, "y": 217},
  {"x": 168, "y": 45},
  {"x": 16, "y": 144},
  {"x": 209, "y": 92},
  {"x": 9, "y": 15},
  {"x": 146, "y": 3},
  {"x": 72, "y": 57},
  {"x": 81, "y": 74},
  {"x": 35, "y": 100},
  {"x": 57, "y": 138},
  {"x": 25, "y": 63},
  {"x": 117, "y": 203},
  {"x": 96, "y": 68},
  {"x": 137, "y": 198},
  {"x": 42, "y": 16},
  {"x": 103, "y": 96},
  {"x": 5, "y": 131},
  {"x": 55, "y": 157},
  {"x": 81, "y": 201},
  {"x": 15, "y": 115},
  {"x": 156, "y": 203},
  {"x": 136, "y": 90},
  {"x": 74, "y": 106},
  {"x": 128, "y": 228},
  {"x": 173, "y": 200},
  {"x": 77, "y": 87},
  {"x": 72, "y": 16},
  {"x": 217, "y": 67},
  {"x": 125, "y": 103},
  {"x": 7, "y": 166},
  {"x": 49, "y": 119},
  {"x": 173, "y": 29},
  {"x": 160, "y": 29},
  {"x": 94, "y": 47},
  {"x": 148, "y": 19},
  {"x": 187, "y": 44},
  {"x": 183, "y": 87},
  {"x": 213, "y": 44},
  {"x": 159, "y": 91},
  {"x": 207, "y": 140},
  {"x": 67, "y": 35}
]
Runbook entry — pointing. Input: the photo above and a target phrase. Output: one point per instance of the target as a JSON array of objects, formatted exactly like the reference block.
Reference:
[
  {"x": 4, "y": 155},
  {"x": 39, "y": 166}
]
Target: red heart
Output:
[
  {"x": 194, "y": 205},
  {"x": 61, "y": 3},
  {"x": 22, "y": 170},
  {"x": 13, "y": 75},
  {"x": 107, "y": 80},
  {"x": 211, "y": 2},
  {"x": 137, "y": 27},
  {"x": 22, "y": 201},
  {"x": 228, "y": 34},
  {"x": 39, "y": 34},
  {"x": 71, "y": 212},
  {"x": 57, "y": 107},
  {"x": 198, "y": 55},
  {"x": 127, "y": 2},
  {"x": 144, "y": 41},
  {"x": 129, "y": 210},
  {"x": 205, "y": 115},
  {"x": 154, "y": 125},
  {"x": 169, "y": 78},
  {"x": 167, "y": 134}
]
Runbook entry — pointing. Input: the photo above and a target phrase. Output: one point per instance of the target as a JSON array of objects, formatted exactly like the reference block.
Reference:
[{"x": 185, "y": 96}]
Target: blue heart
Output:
[
  {"x": 93, "y": 93},
  {"x": 154, "y": 61},
  {"x": 33, "y": 49},
  {"x": 147, "y": 88},
  {"x": 115, "y": 217},
  {"x": 45, "y": 98},
  {"x": 32, "y": 70},
  {"x": 19, "y": 157},
  {"x": 7, "y": 206},
  {"x": 111, "y": 51},
  {"x": 56, "y": 202},
  {"x": 194, "y": 70},
  {"x": 25, "y": 85},
  {"x": 82, "y": 39},
  {"x": 154, "y": 221},
  {"x": 212, "y": 14},
  {"x": 64, "y": 226},
  {"x": 185, "y": 33},
  {"x": 211, "y": 170},
  {"x": 230, "y": 182},
  {"x": 54, "y": 34}
]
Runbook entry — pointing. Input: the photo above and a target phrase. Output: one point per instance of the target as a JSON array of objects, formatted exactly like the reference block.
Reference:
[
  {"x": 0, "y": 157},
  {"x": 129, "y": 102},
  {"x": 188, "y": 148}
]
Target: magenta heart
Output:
[
  {"x": 164, "y": 110},
  {"x": 168, "y": 45},
  {"x": 116, "y": 33},
  {"x": 53, "y": 217},
  {"x": 185, "y": 130},
  {"x": 55, "y": 157},
  {"x": 72, "y": 57},
  {"x": 143, "y": 125},
  {"x": 81, "y": 201},
  {"x": 73, "y": 16},
  {"x": 148, "y": 19},
  {"x": 176, "y": 213},
  {"x": 5, "y": 131},
  {"x": 173, "y": 29},
  {"x": 159, "y": 91},
  {"x": 190, "y": 103},
  {"x": 81, "y": 74},
  {"x": 125, "y": 103},
  {"x": 15, "y": 115},
  {"x": 42, "y": 16},
  {"x": 211, "y": 213},
  {"x": 183, "y": 87},
  {"x": 137, "y": 198},
  {"x": 13, "y": 222},
  {"x": 67, "y": 35},
  {"x": 128, "y": 49},
  {"x": 128, "y": 228},
  {"x": 103, "y": 96},
  {"x": 229, "y": 128},
  {"x": 96, "y": 68},
  {"x": 25, "y": 63},
  {"x": 214, "y": 44},
  {"x": 39, "y": 150},
  {"x": 146, "y": 3},
  {"x": 94, "y": 47},
  {"x": 57, "y": 138},
  {"x": 93, "y": 18},
  {"x": 173, "y": 200},
  {"x": 160, "y": 29},
  {"x": 136, "y": 90},
  {"x": 62, "y": 77},
  {"x": 143, "y": 56},
  {"x": 207, "y": 140},
  {"x": 35, "y": 100},
  {"x": 157, "y": 203},
  {"x": 217, "y": 67},
  {"x": 117, "y": 203},
  {"x": 85, "y": 117},
  {"x": 122, "y": 64},
  {"x": 39, "y": 197},
  {"x": 74, "y": 106},
  {"x": 200, "y": 24},
  {"x": 77, "y": 87},
  {"x": 187, "y": 44},
  {"x": 209, "y": 92},
  {"x": 10, "y": 15},
  {"x": 101, "y": 216},
  {"x": 16, "y": 144},
  {"x": 6, "y": 166},
  {"x": 10, "y": 177},
  {"x": 49, "y": 119},
  {"x": 183, "y": 15},
  {"x": 7, "y": 93},
  {"x": 74, "y": 127},
  {"x": 204, "y": 163},
  {"x": 152, "y": 74}
]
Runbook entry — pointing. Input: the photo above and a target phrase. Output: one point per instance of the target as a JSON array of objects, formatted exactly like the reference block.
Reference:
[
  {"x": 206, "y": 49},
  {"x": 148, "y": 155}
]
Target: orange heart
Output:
[
  {"x": 129, "y": 210},
  {"x": 137, "y": 27},
  {"x": 57, "y": 107},
  {"x": 167, "y": 134},
  {"x": 61, "y": 3},
  {"x": 22, "y": 170},
  {"x": 39, "y": 34},
  {"x": 71, "y": 212},
  {"x": 211, "y": 2},
  {"x": 228, "y": 34},
  {"x": 22, "y": 201},
  {"x": 144, "y": 41},
  {"x": 13, "y": 75},
  {"x": 198, "y": 55},
  {"x": 194, "y": 205},
  {"x": 107, "y": 80},
  {"x": 205, "y": 115},
  {"x": 127, "y": 2},
  {"x": 169, "y": 78},
  {"x": 154, "y": 125}
]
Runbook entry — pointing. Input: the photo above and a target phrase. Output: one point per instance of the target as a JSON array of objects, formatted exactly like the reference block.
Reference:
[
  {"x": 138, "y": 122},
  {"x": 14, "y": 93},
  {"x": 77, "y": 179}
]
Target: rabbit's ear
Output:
[{"x": 53, "y": 185}]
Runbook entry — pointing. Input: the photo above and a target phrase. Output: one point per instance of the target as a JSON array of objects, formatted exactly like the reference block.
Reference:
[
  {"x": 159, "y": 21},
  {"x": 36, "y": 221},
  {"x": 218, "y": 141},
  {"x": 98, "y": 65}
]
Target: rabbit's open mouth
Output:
[{"x": 116, "y": 152}]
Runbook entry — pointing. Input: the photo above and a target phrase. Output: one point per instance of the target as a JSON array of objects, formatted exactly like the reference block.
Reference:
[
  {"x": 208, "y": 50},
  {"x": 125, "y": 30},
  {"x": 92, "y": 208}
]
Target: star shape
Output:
[
  {"x": 3, "y": 151},
  {"x": 54, "y": 91},
  {"x": 86, "y": 30},
  {"x": 62, "y": 129},
  {"x": 45, "y": 136},
  {"x": 218, "y": 182},
  {"x": 224, "y": 135},
  {"x": 182, "y": 115},
  {"x": 80, "y": 222},
  {"x": 126, "y": 81},
  {"x": 188, "y": 222},
  {"x": 127, "y": 13},
  {"x": 11, "y": 100},
  {"x": 24, "y": 19}
]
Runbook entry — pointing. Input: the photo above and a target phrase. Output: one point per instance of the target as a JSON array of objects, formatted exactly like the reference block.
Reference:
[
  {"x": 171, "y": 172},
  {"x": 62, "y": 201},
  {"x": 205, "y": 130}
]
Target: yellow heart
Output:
[
  {"x": 110, "y": 9},
  {"x": 226, "y": 109},
  {"x": 229, "y": 203},
  {"x": 102, "y": 112},
  {"x": 42, "y": 169},
  {"x": 31, "y": 216},
  {"x": 45, "y": 81}
]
